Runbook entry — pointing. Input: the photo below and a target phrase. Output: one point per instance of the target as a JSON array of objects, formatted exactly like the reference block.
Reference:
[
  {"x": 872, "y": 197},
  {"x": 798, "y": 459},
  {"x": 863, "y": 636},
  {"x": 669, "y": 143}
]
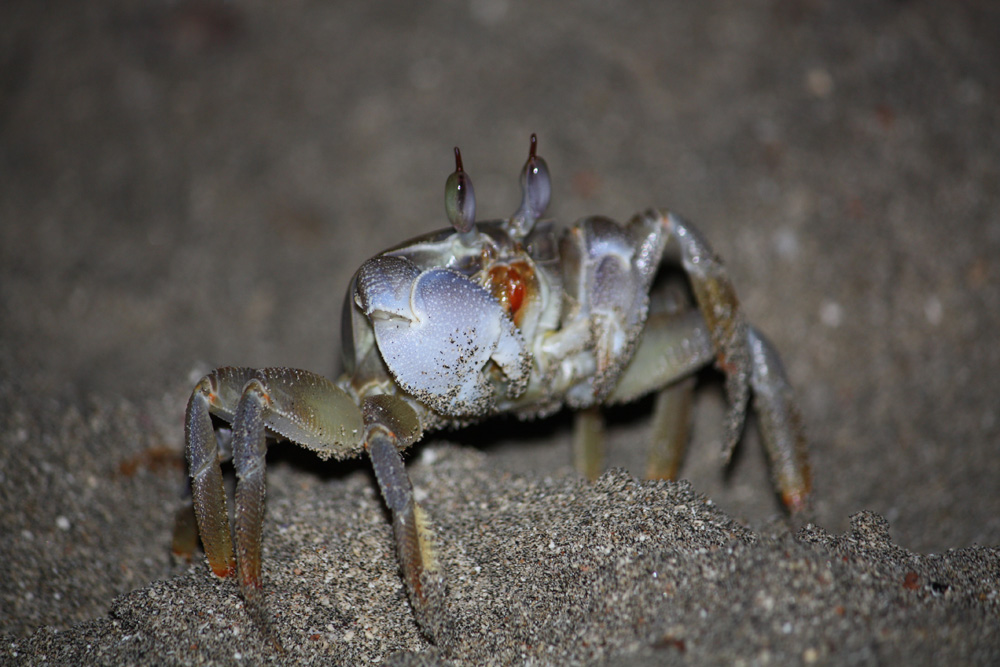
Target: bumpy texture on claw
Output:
[{"x": 436, "y": 330}]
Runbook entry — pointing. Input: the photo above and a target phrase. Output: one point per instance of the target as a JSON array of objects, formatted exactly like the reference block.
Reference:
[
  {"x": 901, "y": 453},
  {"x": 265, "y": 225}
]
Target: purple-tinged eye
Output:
[
  {"x": 536, "y": 190},
  {"x": 460, "y": 198}
]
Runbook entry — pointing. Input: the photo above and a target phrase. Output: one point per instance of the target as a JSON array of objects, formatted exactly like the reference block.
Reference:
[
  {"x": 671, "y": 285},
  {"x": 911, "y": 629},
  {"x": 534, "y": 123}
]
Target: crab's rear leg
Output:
[
  {"x": 748, "y": 361},
  {"x": 303, "y": 407},
  {"x": 727, "y": 326},
  {"x": 588, "y": 442},
  {"x": 674, "y": 344},
  {"x": 670, "y": 429},
  {"x": 672, "y": 347},
  {"x": 780, "y": 422},
  {"x": 668, "y": 440}
]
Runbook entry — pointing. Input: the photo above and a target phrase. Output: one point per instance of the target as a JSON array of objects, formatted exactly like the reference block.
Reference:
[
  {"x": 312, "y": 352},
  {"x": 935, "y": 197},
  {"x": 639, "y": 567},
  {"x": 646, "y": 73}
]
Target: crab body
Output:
[{"x": 507, "y": 316}]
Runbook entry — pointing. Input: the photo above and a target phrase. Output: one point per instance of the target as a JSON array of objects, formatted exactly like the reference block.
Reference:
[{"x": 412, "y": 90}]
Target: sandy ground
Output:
[{"x": 185, "y": 185}]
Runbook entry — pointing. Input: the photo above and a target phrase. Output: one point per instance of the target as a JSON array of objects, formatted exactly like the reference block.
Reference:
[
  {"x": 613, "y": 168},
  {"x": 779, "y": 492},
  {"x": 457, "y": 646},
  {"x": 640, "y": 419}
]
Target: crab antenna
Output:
[
  {"x": 460, "y": 201},
  {"x": 536, "y": 189}
]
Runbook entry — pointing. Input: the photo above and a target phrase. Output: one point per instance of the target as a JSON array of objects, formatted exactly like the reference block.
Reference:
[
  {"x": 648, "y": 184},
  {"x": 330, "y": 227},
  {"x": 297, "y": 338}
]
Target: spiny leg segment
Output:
[
  {"x": 310, "y": 410},
  {"x": 208, "y": 491},
  {"x": 674, "y": 344}
]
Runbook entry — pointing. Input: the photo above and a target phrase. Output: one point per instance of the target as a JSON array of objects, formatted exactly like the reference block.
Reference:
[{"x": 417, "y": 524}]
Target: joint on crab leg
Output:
[
  {"x": 727, "y": 325},
  {"x": 207, "y": 490},
  {"x": 781, "y": 424}
]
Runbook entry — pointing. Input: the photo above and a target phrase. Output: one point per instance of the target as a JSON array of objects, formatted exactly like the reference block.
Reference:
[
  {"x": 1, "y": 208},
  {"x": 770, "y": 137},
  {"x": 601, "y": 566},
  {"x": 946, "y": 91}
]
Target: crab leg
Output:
[
  {"x": 414, "y": 546},
  {"x": 780, "y": 424},
  {"x": 207, "y": 490},
  {"x": 249, "y": 449},
  {"x": 669, "y": 432},
  {"x": 278, "y": 402},
  {"x": 673, "y": 347},
  {"x": 398, "y": 493},
  {"x": 719, "y": 306},
  {"x": 588, "y": 442},
  {"x": 611, "y": 268}
]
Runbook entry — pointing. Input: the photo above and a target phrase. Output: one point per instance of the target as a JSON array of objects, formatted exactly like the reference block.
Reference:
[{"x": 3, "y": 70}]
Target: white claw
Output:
[
  {"x": 384, "y": 285},
  {"x": 436, "y": 331}
]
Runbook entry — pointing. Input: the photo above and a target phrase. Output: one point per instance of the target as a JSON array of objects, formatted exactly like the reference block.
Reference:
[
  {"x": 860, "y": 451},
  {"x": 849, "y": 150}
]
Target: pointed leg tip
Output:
[
  {"x": 274, "y": 641},
  {"x": 222, "y": 567},
  {"x": 224, "y": 571},
  {"x": 797, "y": 501},
  {"x": 728, "y": 449}
]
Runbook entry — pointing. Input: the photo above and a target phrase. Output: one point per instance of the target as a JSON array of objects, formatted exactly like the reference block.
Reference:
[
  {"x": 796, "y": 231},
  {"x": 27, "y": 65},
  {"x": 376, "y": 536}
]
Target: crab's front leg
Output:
[
  {"x": 391, "y": 425},
  {"x": 297, "y": 405},
  {"x": 451, "y": 347}
]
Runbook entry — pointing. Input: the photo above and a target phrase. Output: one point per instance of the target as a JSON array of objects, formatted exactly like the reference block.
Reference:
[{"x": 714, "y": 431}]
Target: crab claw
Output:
[{"x": 437, "y": 330}]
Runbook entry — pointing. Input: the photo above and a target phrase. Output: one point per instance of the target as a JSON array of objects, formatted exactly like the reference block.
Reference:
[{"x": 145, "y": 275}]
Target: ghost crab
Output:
[{"x": 486, "y": 318}]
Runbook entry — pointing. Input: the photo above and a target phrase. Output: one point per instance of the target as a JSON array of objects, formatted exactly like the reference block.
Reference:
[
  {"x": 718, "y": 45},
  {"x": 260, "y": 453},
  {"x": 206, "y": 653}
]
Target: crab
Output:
[{"x": 483, "y": 318}]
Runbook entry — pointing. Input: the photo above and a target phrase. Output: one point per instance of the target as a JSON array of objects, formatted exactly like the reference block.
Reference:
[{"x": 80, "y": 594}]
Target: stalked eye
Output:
[
  {"x": 536, "y": 189},
  {"x": 460, "y": 198}
]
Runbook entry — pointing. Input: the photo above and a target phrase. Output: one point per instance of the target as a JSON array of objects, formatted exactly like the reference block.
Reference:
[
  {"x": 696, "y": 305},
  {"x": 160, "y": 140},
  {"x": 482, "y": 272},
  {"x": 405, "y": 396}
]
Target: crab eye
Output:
[
  {"x": 460, "y": 198},
  {"x": 536, "y": 189}
]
